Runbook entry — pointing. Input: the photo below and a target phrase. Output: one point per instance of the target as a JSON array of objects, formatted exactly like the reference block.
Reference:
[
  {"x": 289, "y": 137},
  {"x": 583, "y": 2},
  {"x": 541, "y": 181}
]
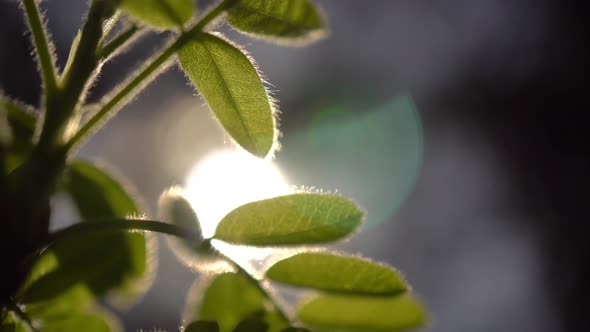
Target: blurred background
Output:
[{"x": 459, "y": 125}]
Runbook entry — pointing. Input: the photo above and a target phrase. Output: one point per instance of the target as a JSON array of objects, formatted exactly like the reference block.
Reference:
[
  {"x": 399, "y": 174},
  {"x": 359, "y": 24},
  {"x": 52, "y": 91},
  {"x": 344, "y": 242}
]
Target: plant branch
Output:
[
  {"x": 112, "y": 47},
  {"x": 76, "y": 79},
  {"x": 109, "y": 225},
  {"x": 42, "y": 46},
  {"x": 150, "y": 69}
]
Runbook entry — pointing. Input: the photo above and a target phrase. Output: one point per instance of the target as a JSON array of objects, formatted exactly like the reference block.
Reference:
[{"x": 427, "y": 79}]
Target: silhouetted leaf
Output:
[
  {"x": 102, "y": 262},
  {"x": 331, "y": 272},
  {"x": 233, "y": 89},
  {"x": 18, "y": 144},
  {"x": 175, "y": 209},
  {"x": 202, "y": 326},
  {"x": 231, "y": 298},
  {"x": 278, "y": 19},
  {"x": 291, "y": 219},
  {"x": 160, "y": 13},
  {"x": 363, "y": 313}
]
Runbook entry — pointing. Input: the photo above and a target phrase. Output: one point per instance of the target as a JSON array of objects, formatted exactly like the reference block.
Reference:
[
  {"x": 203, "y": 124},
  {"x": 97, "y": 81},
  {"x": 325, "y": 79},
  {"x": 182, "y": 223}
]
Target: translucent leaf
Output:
[
  {"x": 202, "y": 326},
  {"x": 331, "y": 272},
  {"x": 11, "y": 323},
  {"x": 175, "y": 209},
  {"x": 291, "y": 219},
  {"x": 161, "y": 14},
  {"x": 231, "y": 298},
  {"x": 79, "y": 322},
  {"x": 363, "y": 313},
  {"x": 280, "y": 20},
  {"x": 101, "y": 262},
  {"x": 99, "y": 195},
  {"x": 231, "y": 85}
]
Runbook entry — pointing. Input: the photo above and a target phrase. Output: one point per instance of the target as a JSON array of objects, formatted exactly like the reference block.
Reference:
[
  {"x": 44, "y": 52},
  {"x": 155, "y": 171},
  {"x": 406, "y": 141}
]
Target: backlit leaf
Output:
[
  {"x": 233, "y": 89},
  {"x": 278, "y": 19},
  {"x": 337, "y": 273},
  {"x": 11, "y": 323},
  {"x": 119, "y": 262},
  {"x": 79, "y": 322},
  {"x": 230, "y": 298},
  {"x": 363, "y": 313},
  {"x": 160, "y": 13},
  {"x": 291, "y": 219}
]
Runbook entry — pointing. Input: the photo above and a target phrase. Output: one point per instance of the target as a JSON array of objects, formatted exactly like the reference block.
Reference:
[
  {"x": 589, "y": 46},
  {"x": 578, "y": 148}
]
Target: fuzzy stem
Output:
[
  {"x": 152, "y": 68},
  {"x": 42, "y": 46},
  {"x": 109, "y": 225},
  {"x": 112, "y": 47}
]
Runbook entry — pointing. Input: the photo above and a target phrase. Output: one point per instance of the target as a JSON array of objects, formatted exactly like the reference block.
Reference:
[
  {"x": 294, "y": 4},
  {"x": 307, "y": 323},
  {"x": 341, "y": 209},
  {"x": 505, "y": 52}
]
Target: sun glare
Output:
[{"x": 226, "y": 179}]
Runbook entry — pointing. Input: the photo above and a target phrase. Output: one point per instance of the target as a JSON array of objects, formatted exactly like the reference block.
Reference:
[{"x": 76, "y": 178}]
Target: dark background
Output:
[{"x": 493, "y": 235}]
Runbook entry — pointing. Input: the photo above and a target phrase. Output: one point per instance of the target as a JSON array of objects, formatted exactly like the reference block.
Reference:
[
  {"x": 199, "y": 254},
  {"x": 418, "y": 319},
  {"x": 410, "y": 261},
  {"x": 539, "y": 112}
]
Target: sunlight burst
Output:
[{"x": 226, "y": 179}]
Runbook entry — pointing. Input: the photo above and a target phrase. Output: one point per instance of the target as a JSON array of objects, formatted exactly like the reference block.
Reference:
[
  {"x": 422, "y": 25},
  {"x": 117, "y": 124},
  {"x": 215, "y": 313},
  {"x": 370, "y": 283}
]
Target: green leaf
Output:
[
  {"x": 363, "y": 313},
  {"x": 280, "y": 20},
  {"x": 161, "y": 14},
  {"x": 231, "y": 85},
  {"x": 291, "y": 219},
  {"x": 11, "y": 323},
  {"x": 98, "y": 195},
  {"x": 331, "y": 272},
  {"x": 99, "y": 262},
  {"x": 21, "y": 120},
  {"x": 79, "y": 322},
  {"x": 202, "y": 326},
  {"x": 175, "y": 209},
  {"x": 295, "y": 329},
  {"x": 231, "y": 298}
]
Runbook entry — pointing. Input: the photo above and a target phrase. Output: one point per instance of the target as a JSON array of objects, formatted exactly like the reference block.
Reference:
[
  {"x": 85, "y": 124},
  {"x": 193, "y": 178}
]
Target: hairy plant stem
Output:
[
  {"x": 153, "y": 67},
  {"x": 42, "y": 46},
  {"x": 111, "y": 48}
]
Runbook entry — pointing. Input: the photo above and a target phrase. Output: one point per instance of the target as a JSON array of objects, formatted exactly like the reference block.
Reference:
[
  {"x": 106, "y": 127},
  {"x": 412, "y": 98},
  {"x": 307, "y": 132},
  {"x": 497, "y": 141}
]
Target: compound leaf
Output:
[
  {"x": 231, "y": 85},
  {"x": 161, "y": 14},
  {"x": 278, "y": 19},
  {"x": 331, "y": 272},
  {"x": 291, "y": 219},
  {"x": 363, "y": 313}
]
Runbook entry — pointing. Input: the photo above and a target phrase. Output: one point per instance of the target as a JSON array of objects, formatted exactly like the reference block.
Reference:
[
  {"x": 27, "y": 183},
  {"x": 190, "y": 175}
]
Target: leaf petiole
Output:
[{"x": 149, "y": 70}]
